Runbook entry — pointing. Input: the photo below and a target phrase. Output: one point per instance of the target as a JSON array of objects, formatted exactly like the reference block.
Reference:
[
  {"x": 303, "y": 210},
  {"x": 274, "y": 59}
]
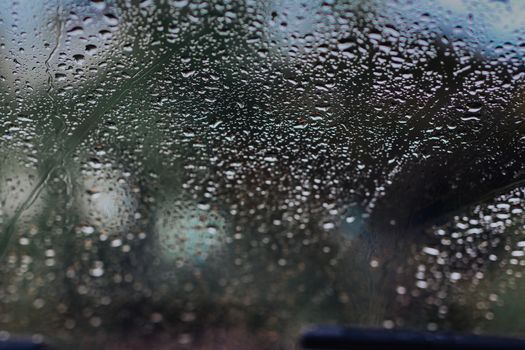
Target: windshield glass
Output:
[{"x": 206, "y": 174}]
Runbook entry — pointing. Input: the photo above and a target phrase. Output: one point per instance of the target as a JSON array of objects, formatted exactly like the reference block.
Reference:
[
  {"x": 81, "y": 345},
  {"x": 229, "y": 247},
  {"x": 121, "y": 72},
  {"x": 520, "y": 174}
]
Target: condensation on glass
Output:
[{"x": 227, "y": 173}]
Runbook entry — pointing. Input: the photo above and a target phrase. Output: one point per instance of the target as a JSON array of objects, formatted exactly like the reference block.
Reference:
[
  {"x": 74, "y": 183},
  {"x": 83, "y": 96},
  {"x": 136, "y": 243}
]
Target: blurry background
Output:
[{"x": 210, "y": 174}]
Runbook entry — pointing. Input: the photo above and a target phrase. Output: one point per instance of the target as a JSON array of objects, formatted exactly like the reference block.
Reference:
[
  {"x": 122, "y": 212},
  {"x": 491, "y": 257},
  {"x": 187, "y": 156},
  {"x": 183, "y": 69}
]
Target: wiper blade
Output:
[{"x": 339, "y": 338}]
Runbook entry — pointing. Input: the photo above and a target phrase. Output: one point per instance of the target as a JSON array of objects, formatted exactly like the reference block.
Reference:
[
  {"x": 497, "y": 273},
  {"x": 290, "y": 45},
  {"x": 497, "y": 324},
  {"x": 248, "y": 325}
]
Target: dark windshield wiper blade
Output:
[
  {"x": 341, "y": 338},
  {"x": 21, "y": 345}
]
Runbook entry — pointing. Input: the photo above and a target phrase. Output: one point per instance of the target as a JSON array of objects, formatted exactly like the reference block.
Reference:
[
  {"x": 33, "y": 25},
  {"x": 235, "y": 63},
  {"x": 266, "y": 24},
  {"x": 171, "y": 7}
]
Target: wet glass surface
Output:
[{"x": 224, "y": 174}]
